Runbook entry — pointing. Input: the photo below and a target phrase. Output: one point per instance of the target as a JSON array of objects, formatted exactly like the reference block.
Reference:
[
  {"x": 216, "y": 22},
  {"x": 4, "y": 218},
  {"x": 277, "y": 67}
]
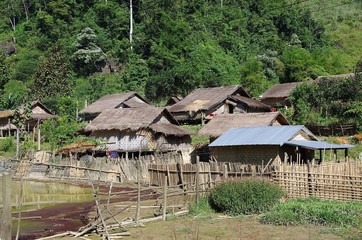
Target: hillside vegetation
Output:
[{"x": 64, "y": 52}]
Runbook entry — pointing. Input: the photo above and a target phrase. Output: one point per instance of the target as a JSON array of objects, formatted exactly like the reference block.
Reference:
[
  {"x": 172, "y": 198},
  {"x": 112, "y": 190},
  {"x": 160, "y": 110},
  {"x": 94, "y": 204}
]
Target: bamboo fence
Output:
[
  {"x": 210, "y": 173},
  {"x": 340, "y": 180}
]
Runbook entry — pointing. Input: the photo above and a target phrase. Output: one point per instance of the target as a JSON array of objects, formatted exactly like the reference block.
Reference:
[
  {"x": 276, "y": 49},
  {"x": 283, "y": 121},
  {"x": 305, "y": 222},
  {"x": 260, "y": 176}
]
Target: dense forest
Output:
[{"x": 66, "y": 52}]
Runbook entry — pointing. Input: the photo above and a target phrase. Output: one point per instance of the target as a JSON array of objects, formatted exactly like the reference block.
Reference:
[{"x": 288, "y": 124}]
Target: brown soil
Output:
[{"x": 65, "y": 217}]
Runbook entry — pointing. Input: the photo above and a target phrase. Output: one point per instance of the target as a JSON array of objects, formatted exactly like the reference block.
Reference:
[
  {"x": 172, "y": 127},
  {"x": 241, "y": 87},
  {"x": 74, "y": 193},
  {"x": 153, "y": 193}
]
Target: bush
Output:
[
  {"x": 244, "y": 197},
  {"x": 315, "y": 211},
  {"x": 7, "y": 145}
]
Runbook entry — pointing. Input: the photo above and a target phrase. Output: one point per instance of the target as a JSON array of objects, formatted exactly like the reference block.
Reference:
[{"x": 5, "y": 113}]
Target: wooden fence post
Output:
[
  {"x": 197, "y": 181},
  {"x": 138, "y": 195},
  {"x": 164, "y": 197},
  {"x": 5, "y": 222}
]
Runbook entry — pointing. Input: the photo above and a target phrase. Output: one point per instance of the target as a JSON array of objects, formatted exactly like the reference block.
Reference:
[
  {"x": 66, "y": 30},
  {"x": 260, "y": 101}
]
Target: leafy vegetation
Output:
[
  {"x": 328, "y": 101},
  {"x": 244, "y": 197},
  {"x": 315, "y": 211},
  {"x": 50, "y": 50},
  {"x": 176, "y": 46}
]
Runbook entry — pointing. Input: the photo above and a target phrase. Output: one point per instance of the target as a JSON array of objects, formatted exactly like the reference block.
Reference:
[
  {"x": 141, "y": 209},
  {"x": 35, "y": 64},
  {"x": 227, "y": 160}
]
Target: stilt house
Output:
[{"x": 150, "y": 129}]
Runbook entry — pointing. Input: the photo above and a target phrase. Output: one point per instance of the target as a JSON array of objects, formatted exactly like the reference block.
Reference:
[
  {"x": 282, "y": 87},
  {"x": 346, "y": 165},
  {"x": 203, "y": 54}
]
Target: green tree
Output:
[
  {"x": 52, "y": 78},
  {"x": 88, "y": 57},
  {"x": 4, "y": 69},
  {"x": 13, "y": 95}
]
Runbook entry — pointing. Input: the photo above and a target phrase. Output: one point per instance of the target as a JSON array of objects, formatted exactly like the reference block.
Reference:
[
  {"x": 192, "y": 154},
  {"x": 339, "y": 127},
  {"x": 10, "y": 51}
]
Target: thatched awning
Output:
[
  {"x": 222, "y": 123},
  {"x": 78, "y": 147}
]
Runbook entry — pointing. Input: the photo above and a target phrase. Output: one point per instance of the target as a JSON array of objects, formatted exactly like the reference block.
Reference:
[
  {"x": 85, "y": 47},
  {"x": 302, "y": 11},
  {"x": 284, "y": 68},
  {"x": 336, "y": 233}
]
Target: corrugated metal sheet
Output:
[
  {"x": 264, "y": 135},
  {"x": 316, "y": 145}
]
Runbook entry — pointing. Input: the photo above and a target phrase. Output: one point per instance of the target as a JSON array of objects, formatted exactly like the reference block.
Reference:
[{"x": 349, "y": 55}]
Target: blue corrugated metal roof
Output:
[
  {"x": 264, "y": 135},
  {"x": 316, "y": 145}
]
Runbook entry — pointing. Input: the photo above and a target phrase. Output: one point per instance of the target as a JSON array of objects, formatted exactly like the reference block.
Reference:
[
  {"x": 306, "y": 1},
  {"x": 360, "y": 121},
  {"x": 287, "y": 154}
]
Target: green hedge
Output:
[{"x": 244, "y": 197}]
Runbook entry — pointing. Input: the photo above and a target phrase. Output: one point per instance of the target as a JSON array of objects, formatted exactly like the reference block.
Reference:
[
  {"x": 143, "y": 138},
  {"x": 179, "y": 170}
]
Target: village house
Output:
[
  {"x": 141, "y": 130},
  {"x": 222, "y": 123},
  {"x": 39, "y": 113},
  {"x": 204, "y": 103},
  {"x": 279, "y": 94},
  {"x": 266, "y": 144},
  {"x": 112, "y": 101}
]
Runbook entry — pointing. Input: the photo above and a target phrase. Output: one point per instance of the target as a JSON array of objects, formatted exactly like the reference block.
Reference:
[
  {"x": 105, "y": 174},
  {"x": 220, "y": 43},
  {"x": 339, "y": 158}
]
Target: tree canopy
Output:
[{"x": 82, "y": 49}]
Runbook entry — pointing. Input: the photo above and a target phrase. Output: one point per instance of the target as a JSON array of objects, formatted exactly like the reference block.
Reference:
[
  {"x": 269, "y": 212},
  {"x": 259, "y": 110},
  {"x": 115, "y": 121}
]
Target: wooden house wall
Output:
[
  {"x": 134, "y": 141},
  {"x": 246, "y": 154},
  {"x": 173, "y": 142}
]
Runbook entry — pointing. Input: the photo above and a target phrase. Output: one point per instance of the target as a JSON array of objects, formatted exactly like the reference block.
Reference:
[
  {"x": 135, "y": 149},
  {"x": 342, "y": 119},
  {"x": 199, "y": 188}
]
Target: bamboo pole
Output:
[
  {"x": 197, "y": 181},
  {"x": 164, "y": 198}
]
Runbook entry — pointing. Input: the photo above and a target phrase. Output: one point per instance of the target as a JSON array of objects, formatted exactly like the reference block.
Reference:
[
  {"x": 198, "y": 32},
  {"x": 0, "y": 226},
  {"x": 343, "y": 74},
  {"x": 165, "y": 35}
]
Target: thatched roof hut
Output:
[
  {"x": 132, "y": 129},
  {"x": 202, "y": 102},
  {"x": 39, "y": 112},
  {"x": 222, "y": 123},
  {"x": 279, "y": 94},
  {"x": 113, "y": 101}
]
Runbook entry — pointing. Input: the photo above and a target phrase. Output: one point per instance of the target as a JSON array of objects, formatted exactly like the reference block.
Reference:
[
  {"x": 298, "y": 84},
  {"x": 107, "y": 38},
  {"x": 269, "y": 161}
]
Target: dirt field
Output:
[{"x": 219, "y": 227}]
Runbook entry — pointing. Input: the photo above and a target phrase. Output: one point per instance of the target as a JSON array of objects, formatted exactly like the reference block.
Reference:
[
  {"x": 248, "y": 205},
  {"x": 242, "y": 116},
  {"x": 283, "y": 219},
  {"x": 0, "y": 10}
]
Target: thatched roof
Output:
[
  {"x": 114, "y": 101},
  {"x": 221, "y": 123},
  {"x": 206, "y": 98},
  {"x": 283, "y": 90},
  {"x": 345, "y": 75},
  {"x": 251, "y": 103},
  {"x": 43, "y": 113},
  {"x": 6, "y": 113},
  {"x": 134, "y": 119}
]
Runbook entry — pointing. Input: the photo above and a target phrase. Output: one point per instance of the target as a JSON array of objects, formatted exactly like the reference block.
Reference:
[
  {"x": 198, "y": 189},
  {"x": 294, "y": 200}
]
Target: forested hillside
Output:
[{"x": 67, "y": 51}]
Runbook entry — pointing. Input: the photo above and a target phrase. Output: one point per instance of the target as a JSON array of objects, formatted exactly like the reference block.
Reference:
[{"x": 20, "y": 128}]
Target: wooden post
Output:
[
  {"x": 164, "y": 197},
  {"x": 138, "y": 195},
  {"x": 17, "y": 143},
  {"x": 180, "y": 175},
  {"x": 38, "y": 134},
  {"x": 226, "y": 175},
  {"x": 197, "y": 181},
  {"x": 5, "y": 221}
]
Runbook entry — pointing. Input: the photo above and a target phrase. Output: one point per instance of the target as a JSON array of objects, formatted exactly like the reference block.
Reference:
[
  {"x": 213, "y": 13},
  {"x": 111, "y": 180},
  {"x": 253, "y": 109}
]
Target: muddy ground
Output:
[{"x": 60, "y": 218}]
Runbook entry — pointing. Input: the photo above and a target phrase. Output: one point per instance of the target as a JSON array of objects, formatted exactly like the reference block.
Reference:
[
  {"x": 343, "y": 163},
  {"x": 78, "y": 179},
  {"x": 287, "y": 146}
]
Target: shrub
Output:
[
  {"x": 244, "y": 197},
  {"x": 7, "y": 145},
  {"x": 315, "y": 211}
]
